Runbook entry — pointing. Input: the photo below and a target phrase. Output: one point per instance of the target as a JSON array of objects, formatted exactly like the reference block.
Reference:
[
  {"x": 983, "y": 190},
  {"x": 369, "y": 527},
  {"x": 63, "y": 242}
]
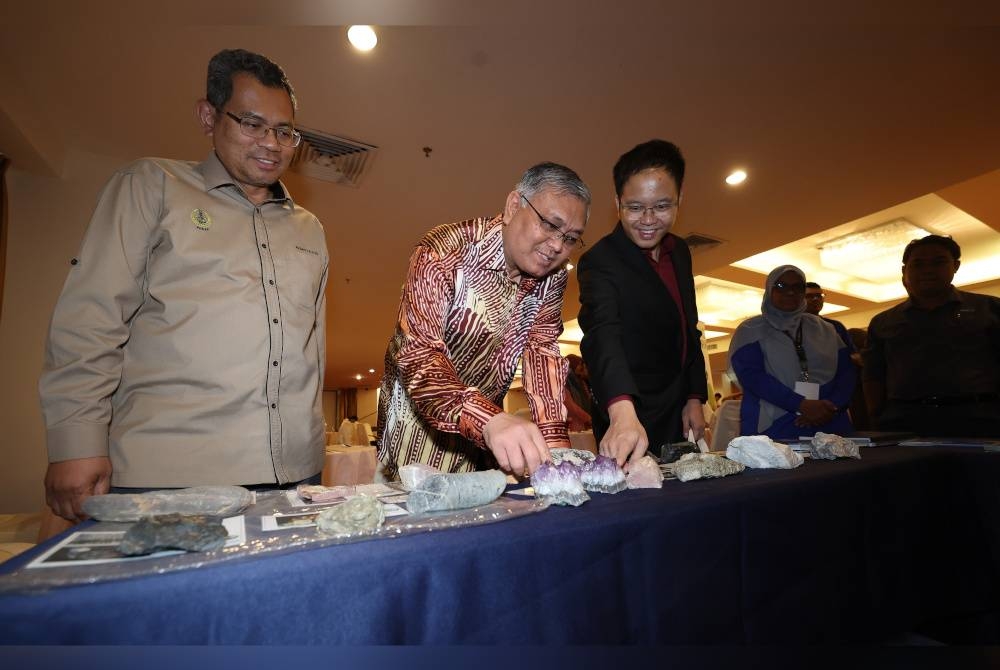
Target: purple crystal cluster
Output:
[
  {"x": 560, "y": 484},
  {"x": 603, "y": 475}
]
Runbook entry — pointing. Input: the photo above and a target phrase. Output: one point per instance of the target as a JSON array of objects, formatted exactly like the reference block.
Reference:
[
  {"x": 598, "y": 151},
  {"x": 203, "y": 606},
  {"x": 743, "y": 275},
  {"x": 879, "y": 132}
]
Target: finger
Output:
[{"x": 637, "y": 455}]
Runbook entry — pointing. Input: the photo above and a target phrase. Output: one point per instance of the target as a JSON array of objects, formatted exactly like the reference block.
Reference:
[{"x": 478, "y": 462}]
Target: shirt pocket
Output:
[{"x": 298, "y": 278}]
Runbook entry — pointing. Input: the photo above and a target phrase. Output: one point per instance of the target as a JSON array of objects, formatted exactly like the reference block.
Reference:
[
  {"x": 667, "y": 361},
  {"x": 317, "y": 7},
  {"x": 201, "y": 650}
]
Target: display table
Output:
[
  {"x": 348, "y": 465},
  {"x": 583, "y": 440},
  {"x": 834, "y": 551}
]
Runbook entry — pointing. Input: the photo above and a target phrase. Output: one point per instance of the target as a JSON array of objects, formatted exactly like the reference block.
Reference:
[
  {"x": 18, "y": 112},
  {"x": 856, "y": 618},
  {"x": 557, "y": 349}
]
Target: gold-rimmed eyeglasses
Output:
[
  {"x": 552, "y": 230},
  {"x": 253, "y": 127}
]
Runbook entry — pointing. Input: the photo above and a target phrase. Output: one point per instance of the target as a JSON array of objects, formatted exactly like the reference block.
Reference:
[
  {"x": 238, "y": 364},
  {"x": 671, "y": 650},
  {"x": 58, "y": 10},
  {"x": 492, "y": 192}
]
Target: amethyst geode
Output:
[
  {"x": 604, "y": 475},
  {"x": 559, "y": 484}
]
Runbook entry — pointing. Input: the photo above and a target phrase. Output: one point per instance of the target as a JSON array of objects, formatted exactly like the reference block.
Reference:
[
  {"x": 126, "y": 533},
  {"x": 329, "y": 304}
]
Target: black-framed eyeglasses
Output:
[
  {"x": 815, "y": 296},
  {"x": 798, "y": 289},
  {"x": 253, "y": 127},
  {"x": 552, "y": 230},
  {"x": 635, "y": 210}
]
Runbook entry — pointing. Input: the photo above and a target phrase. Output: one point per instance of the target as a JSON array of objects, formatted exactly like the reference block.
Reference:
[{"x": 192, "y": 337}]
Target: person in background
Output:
[
  {"x": 348, "y": 429},
  {"x": 815, "y": 299},
  {"x": 859, "y": 407},
  {"x": 794, "y": 369},
  {"x": 638, "y": 314},
  {"x": 932, "y": 362},
  {"x": 160, "y": 368},
  {"x": 578, "y": 399},
  {"x": 479, "y": 296}
]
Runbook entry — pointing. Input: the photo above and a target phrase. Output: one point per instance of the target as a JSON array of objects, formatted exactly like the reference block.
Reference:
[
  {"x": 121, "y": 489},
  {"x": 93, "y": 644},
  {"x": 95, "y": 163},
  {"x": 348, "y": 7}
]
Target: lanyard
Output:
[{"x": 800, "y": 351}]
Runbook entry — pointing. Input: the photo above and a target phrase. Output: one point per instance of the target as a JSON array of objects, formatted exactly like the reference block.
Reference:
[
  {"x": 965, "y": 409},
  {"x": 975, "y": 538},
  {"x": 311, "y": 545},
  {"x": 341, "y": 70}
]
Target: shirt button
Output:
[
  {"x": 263, "y": 246},
  {"x": 274, "y": 363},
  {"x": 275, "y": 320},
  {"x": 271, "y": 282},
  {"x": 273, "y": 405}
]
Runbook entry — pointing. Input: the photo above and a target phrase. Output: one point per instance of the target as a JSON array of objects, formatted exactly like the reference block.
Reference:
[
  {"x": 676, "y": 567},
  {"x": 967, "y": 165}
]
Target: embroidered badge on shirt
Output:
[{"x": 201, "y": 219}]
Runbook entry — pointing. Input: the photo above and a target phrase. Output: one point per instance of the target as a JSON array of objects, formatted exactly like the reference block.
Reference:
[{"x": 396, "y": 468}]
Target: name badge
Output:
[{"x": 808, "y": 390}]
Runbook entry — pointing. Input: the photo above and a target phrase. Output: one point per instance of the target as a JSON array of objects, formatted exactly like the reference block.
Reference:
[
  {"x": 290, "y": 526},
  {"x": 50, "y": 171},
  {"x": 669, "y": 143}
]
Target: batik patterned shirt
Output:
[{"x": 463, "y": 326}]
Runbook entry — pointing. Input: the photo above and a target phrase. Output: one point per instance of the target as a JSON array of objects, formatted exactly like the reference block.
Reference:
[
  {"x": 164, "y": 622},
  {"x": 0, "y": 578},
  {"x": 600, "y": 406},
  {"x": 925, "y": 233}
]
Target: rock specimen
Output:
[
  {"x": 456, "y": 491},
  {"x": 220, "y": 501},
  {"x": 359, "y": 515},
  {"x": 758, "y": 451},
  {"x": 603, "y": 475},
  {"x": 559, "y": 484},
  {"x": 644, "y": 474},
  {"x": 575, "y": 456},
  {"x": 829, "y": 446},
  {"x": 705, "y": 466},
  {"x": 317, "y": 494},
  {"x": 173, "y": 531},
  {"x": 414, "y": 474},
  {"x": 673, "y": 451}
]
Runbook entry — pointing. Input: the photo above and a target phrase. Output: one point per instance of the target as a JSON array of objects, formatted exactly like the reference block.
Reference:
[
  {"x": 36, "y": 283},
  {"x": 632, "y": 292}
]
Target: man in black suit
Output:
[{"x": 640, "y": 323}]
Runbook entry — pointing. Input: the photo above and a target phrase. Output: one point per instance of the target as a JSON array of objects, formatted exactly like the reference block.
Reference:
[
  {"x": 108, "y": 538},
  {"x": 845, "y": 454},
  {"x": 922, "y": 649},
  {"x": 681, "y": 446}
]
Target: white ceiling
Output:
[{"x": 835, "y": 113}]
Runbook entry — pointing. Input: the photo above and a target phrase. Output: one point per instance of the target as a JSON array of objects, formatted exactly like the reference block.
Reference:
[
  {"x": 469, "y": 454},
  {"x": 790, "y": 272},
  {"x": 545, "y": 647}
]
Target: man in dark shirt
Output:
[
  {"x": 932, "y": 363},
  {"x": 640, "y": 323},
  {"x": 815, "y": 299}
]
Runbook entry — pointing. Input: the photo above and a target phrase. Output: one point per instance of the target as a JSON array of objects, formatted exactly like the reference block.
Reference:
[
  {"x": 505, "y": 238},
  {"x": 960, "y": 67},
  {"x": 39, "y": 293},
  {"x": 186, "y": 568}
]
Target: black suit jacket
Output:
[{"x": 631, "y": 335}]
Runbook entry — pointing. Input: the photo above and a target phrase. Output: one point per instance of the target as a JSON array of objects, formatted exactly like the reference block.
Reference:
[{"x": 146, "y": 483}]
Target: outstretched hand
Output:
[{"x": 516, "y": 443}]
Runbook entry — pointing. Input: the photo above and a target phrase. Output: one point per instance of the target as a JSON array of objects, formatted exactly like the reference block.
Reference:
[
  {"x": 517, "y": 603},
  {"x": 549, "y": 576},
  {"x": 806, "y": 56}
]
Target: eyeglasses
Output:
[
  {"x": 635, "y": 210},
  {"x": 552, "y": 230},
  {"x": 815, "y": 296},
  {"x": 799, "y": 289},
  {"x": 251, "y": 126}
]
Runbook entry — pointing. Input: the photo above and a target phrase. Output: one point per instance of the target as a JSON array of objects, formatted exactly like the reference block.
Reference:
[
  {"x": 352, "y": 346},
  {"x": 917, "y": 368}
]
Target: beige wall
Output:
[{"x": 47, "y": 217}]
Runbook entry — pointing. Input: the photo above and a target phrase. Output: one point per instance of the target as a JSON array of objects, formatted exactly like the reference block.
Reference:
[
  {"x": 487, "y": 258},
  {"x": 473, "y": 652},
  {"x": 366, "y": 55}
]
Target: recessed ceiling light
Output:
[
  {"x": 362, "y": 37},
  {"x": 569, "y": 266},
  {"x": 371, "y": 371},
  {"x": 358, "y": 377},
  {"x": 736, "y": 177}
]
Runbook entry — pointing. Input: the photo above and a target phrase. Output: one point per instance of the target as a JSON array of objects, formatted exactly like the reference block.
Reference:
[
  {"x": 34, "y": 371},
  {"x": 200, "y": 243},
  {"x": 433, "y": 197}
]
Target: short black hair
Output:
[
  {"x": 812, "y": 284},
  {"x": 230, "y": 62},
  {"x": 936, "y": 240},
  {"x": 651, "y": 154}
]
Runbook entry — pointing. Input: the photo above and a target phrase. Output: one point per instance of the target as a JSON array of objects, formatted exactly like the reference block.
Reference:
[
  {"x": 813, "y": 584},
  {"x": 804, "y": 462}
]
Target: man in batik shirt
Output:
[{"x": 481, "y": 295}]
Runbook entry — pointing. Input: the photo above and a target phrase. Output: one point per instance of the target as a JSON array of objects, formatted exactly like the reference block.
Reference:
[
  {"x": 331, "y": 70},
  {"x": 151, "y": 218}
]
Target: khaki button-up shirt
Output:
[{"x": 188, "y": 342}]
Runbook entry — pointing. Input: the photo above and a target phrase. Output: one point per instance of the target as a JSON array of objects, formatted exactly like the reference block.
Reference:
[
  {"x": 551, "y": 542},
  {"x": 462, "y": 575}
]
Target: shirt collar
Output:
[
  {"x": 216, "y": 175},
  {"x": 954, "y": 297},
  {"x": 667, "y": 245}
]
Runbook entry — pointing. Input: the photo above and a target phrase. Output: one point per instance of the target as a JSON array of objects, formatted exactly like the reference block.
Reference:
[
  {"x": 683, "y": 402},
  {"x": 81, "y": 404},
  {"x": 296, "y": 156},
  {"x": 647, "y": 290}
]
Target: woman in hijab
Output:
[{"x": 795, "y": 370}]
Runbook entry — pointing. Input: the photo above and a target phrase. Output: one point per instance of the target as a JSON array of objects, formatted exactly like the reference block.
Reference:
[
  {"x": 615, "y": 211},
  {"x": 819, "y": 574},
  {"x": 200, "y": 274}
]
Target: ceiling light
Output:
[
  {"x": 737, "y": 177},
  {"x": 358, "y": 377},
  {"x": 362, "y": 37},
  {"x": 878, "y": 249},
  {"x": 569, "y": 266},
  {"x": 371, "y": 371},
  {"x": 725, "y": 303}
]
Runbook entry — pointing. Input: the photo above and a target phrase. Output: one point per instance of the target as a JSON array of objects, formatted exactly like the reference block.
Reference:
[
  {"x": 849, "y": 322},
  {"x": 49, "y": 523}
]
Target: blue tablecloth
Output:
[{"x": 833, "y": 551}]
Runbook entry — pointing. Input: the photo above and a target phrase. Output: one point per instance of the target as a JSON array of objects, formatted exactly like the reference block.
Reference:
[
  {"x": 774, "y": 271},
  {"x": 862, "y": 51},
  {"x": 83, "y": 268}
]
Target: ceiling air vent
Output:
[
  {"x": 331, "y": 158},
  {"x": 698, "y": 242}
]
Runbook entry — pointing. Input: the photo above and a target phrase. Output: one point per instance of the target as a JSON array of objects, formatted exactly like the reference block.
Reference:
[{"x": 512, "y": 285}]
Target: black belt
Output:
[{"x": 944, "y": 400}]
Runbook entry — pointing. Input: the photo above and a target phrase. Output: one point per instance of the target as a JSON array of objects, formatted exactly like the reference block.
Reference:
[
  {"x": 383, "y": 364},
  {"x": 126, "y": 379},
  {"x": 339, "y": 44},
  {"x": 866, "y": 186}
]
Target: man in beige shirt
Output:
[{"x": 187, "y": 347}]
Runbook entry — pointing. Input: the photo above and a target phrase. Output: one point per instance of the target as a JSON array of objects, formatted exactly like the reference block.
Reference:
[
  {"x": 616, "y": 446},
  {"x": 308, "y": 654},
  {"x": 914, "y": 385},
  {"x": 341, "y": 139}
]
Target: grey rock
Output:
[
  {"x": 173, "y": 531},
  {"x": 358, "y": 515},
  {"x": 705, "y": 466},
  {"x": 829, "y": 447},
  {"x": 456, "y": 491},
  {"x": 758, "y": 451},
  {"x": 221, "y": 501}
]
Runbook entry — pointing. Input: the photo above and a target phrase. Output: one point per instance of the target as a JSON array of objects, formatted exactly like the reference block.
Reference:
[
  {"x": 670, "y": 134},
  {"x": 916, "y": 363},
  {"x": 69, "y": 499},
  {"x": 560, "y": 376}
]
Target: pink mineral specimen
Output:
[{"x": 645, "y": 474}]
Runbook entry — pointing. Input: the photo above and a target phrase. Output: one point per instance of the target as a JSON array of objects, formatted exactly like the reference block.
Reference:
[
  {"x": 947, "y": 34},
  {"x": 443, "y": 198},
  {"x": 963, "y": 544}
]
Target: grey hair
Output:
[{"x": 557, "y": 178}]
